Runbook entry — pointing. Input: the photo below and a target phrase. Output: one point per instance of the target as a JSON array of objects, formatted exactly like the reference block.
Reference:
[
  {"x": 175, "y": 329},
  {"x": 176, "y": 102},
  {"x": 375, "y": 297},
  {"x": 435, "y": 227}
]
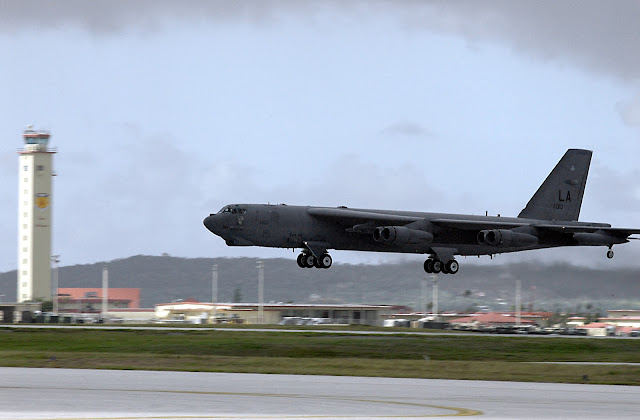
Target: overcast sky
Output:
[{"x": 164, "y": 111}]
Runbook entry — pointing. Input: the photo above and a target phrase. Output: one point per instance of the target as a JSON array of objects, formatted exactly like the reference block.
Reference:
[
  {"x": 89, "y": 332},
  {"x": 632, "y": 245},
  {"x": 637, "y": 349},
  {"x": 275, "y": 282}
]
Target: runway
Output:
[{"x": 65, "y": 394}]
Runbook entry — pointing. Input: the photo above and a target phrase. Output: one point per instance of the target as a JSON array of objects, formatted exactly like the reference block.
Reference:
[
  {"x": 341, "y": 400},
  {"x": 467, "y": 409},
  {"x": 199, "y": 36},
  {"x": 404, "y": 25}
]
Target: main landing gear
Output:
[
  {"x": 435, "y": 266},
  {"x": 307, "y": 260}
]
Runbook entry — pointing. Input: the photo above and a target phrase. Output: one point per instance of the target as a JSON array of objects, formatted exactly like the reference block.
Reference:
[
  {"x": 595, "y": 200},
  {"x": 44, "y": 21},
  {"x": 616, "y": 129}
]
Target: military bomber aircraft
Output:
[{"x": 550, "y": 219}]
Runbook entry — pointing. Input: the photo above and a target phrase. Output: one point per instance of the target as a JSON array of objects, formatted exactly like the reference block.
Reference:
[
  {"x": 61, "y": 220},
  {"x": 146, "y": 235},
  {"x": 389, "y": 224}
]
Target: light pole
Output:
[
  {"x": 105, "y": 293},
  {"x": 518, "y": 302},
  {"x": 434, "y": 279},
  {"x": 260, "y": 266},
  {"x": 425, "y": 304},
  {"x": 55, "y": 259},
  {"x": 214, "y": 291}
]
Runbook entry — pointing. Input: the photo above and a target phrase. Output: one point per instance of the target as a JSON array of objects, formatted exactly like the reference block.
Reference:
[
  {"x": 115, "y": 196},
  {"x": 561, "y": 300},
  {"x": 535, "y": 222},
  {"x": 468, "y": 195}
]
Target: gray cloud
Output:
[
  {"x": 598, "y": 36},
  {"x": 349, "y": 180},
  {"x": 148, "y": 199},
  {"x": 407, "y": 128},
  {"x": 629, "y": 111},
  {"x": 617, "y": 194},
  {"x": 106, "y": 16},
  {"x": 602, "y": 37}
]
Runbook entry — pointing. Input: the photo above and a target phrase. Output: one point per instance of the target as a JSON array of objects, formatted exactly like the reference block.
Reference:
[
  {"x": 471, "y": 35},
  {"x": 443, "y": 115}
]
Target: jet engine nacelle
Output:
[
  {"x": 506, "y": 238},
  {"x": 401, "y": 235},
  {"x": 595, "y": 238}
]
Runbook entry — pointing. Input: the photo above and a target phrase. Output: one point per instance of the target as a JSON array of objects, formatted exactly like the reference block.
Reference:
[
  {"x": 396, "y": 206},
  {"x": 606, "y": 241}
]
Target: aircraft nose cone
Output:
[{"x": 210, "y": 223}]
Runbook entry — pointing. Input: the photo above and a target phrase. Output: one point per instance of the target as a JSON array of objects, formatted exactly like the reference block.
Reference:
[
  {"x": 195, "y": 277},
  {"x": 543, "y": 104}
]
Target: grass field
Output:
[{"x": 439, "y": 356}]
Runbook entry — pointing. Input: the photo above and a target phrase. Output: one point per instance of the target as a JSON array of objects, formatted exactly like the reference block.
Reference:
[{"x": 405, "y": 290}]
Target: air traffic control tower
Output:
[{"x": 34, "y": 216}]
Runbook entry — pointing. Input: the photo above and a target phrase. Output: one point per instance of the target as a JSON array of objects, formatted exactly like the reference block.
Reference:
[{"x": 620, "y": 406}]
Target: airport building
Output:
[
  {"x": 90, "y": 300},
  {"x": 470, "y": 321},
  {"x": 494, "y": 319},
  {"x": 193, "y": 311},
  {"x": 624, "y": 317},
  {"x": 622, "y": 322},
  {"x": 92, "y": 304},
  {"x": 34, "y": 217}
]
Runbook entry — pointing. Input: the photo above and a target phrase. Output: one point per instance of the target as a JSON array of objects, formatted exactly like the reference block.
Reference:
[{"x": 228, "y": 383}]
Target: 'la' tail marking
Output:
[{"x": 566, "y": 198}]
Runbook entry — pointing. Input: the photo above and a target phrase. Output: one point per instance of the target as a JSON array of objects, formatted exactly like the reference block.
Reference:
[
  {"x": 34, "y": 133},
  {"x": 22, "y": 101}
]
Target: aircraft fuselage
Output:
[
  {"x": 285, "y": 226},
  {"x": 550, "y": 219}
]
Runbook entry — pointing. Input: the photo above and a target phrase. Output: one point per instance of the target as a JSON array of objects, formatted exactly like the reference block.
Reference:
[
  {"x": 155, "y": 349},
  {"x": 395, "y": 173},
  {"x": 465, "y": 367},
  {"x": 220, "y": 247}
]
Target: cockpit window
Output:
[{"x": 232, "y": 210}]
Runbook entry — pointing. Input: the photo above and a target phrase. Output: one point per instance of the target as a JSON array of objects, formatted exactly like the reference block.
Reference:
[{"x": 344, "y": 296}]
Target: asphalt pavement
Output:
[{"x": 65, "y": 394}]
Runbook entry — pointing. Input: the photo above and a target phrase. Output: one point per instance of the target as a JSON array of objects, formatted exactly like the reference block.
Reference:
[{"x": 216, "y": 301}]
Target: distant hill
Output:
[{"x": 164, "y": 279}]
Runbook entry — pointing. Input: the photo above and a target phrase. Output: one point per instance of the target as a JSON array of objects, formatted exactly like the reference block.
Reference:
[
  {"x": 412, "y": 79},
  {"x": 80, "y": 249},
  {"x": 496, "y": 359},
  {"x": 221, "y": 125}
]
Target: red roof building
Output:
[{"x": 85, "y": 299}]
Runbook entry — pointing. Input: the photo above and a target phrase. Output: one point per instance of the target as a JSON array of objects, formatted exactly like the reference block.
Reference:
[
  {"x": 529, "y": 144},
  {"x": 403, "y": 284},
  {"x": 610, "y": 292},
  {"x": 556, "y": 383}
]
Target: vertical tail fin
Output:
[{"x": 560, "y": 195}]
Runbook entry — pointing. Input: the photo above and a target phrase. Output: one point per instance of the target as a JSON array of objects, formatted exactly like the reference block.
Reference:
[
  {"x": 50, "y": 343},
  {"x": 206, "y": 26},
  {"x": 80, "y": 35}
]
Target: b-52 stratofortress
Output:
[{"x": 550, "y": 219}]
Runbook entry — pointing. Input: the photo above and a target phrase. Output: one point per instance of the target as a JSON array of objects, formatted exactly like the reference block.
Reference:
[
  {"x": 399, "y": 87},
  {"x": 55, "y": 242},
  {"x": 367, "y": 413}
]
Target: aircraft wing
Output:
[
  {"x": 362, "y": 216},
  {"x": 365, "y": 221},
  {"x": 620, "y": 232},
  {"x": 462, "y": 224}
]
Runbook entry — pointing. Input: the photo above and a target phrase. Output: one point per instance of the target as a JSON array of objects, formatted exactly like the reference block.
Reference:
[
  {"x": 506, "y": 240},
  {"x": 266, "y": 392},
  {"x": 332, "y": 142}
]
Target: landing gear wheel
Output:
[
  {"x": 437, "y": 266},
  {"x": 310, "y": 261},
  {"x": 300, "y": 261},
  {"x": 428, "y": 266},
  {"x": 325, "y": 261},
  {"x": 452, "y": 267},
  {"x": 610, "y": 254}
]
